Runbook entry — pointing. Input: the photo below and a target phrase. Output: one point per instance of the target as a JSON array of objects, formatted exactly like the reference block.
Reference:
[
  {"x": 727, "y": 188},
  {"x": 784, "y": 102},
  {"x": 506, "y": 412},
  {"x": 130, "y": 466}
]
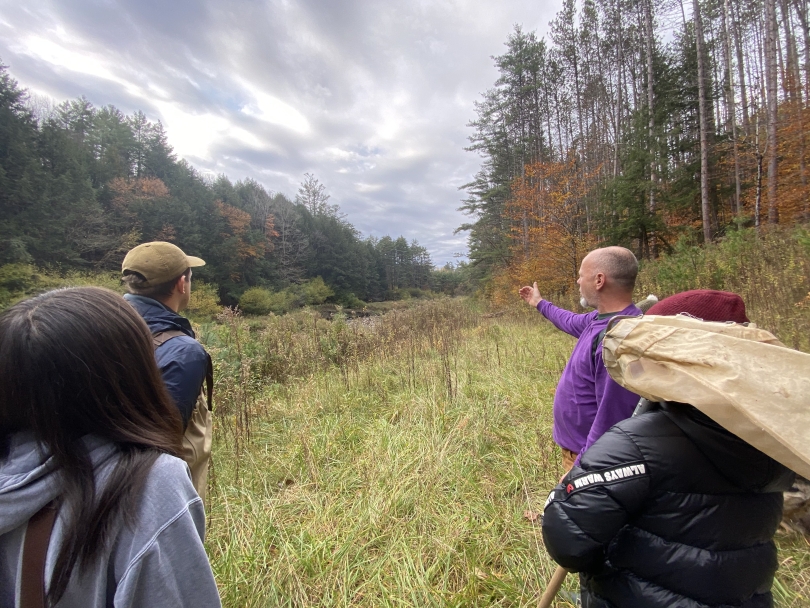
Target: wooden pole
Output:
[{"x": 553, "y": 587}]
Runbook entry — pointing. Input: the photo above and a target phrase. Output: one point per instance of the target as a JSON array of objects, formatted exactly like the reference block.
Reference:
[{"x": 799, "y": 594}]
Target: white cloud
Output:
[
  {"x": 59, "y": 54},
  {"x": 367, "y": 188},
  {"x": 196, "y": 134},
  {"x": 370, "y": 97},
  {"x": 274, "y": 111}
]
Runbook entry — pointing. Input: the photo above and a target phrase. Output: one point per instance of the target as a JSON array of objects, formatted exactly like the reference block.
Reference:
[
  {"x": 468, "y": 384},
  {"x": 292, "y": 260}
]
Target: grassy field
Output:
[{"x": 396, "y": 462}]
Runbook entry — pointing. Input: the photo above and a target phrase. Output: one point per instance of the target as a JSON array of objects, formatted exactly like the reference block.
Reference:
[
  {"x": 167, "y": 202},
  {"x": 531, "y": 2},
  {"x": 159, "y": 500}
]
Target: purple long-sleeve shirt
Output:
[{"x": 588, "y": 401}]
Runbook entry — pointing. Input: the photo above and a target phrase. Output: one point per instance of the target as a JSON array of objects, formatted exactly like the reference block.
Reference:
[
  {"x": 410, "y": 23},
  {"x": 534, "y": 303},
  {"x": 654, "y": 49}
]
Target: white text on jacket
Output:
[{"x": 610, "y": 475}]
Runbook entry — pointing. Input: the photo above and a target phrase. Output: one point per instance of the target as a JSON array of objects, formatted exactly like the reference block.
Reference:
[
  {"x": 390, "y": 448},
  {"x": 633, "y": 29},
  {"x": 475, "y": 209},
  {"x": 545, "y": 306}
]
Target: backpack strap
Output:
[
  {"x": 35, "y": 549},
  {"x": 598, "y": 340},
  {"x": 614, "y": 318},
  {"x": 161, "y": 337},
  {"x": 209, "y": 382}
]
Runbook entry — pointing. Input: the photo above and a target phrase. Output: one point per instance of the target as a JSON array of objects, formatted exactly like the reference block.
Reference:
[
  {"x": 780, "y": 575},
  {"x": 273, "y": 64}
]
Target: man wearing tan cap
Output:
[{"x": 158, "y": 277}]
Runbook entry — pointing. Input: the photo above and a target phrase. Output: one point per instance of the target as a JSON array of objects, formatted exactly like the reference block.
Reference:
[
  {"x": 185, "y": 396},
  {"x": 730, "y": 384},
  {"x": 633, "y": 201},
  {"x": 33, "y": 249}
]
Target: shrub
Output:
[
  {"x": 394, "y": 295},
  {"x": 256, "y": 301},
  {"x": 110, "y": 280},
  {"x": 204, "y": 303},
  {"x": 20, "y": 281},
  {"x": 16, "y": 280},
  {"x": 259, "y": 301},
  {"x": 349, "y": 300},
  {"x": 284, "y": 301},
  {"x": 769, "y": 269},
  {"x": 316, "y": 292}
]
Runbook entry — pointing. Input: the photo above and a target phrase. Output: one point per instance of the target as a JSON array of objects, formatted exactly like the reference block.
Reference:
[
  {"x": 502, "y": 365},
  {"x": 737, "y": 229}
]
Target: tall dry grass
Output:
[{"x": 392, "y": 463}]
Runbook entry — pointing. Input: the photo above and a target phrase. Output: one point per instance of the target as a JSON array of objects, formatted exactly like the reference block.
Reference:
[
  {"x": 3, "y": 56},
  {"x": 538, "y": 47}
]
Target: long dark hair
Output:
[{"x": 76, "y": 362}]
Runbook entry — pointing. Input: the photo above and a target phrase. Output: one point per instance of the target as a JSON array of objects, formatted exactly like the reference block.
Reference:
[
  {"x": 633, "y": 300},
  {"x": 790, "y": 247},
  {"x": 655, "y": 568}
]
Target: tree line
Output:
[
  {"x": 639, "y": 122},
  {"x": 81, "y": 185}
]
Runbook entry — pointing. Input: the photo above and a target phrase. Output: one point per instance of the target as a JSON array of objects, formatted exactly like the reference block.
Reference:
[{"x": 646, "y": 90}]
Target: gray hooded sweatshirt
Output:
[{"x": 160, "y": 561}]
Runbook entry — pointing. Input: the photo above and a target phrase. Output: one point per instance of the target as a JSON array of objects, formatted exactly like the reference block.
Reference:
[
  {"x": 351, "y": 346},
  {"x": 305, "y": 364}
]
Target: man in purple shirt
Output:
[{"x": 588, "y": 402}]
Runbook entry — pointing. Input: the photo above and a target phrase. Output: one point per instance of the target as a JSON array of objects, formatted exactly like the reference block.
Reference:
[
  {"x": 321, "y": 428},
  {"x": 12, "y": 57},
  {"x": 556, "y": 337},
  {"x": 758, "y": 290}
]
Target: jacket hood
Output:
[
  {"x": 28, "y": 480},
  {"x": 738, "y": 461},
  {"x": 157, "y": 316}
]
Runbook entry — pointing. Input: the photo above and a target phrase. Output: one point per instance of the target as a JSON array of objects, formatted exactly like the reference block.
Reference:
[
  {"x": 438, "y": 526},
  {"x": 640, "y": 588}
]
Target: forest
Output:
[
  {"x": 639, "y": 123},
  {"x": 644, "y": 124},
  {"x": 81, "y": 185}
]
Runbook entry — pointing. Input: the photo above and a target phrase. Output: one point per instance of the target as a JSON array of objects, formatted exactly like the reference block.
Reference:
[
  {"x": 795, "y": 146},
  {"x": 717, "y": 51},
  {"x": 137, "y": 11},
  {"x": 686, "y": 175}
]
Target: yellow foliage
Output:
[
  {"x": 548, "y": 239},
  {"x": 204, "y": 303}
]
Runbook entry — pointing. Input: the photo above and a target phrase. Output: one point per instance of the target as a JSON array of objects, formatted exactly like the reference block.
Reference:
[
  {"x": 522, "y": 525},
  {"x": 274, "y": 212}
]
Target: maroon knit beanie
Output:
[{"x": 706, "y": 304}]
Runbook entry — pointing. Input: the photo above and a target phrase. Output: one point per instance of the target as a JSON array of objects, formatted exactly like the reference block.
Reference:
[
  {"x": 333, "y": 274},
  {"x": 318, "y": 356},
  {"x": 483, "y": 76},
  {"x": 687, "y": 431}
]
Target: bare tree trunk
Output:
[
  {"x": 705, "y": 208},
  {"x": 716, "y": 66},
  {"x": 559, "y": 124},
  {"x": 792, "y": 76},
  {"x": 525, "y": 235},
  {"x": 650, "y": 40},
  {"x": 735, "y": 26},
  {"x": 548, "y": 112},
  {"x": 795, "y": 82},
  {"x": 732, "y": 110},
  {"x": 620, "y": 101},
  {"x": 633, "y": 71},
  {"x": 771, "y": 85},
  {"x": 758, "y": 201},
  {"x": 801, "y": 10},
  {"x": 780, "y": 61}
]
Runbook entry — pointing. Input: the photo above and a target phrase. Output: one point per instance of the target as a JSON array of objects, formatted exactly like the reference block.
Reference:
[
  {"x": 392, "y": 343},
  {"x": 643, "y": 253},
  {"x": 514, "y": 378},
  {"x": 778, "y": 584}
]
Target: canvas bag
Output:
[
  {"x": 197, "y": 439},
  {"x": 740, "y": 376}
]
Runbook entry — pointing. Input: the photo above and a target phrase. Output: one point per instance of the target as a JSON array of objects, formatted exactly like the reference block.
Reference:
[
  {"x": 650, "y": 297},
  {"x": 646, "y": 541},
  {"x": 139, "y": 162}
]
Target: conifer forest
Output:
[
  {"x": 81, "y": 185},
  {"x": 639, "y": 124},
  {"x": 643, "y": 124}
]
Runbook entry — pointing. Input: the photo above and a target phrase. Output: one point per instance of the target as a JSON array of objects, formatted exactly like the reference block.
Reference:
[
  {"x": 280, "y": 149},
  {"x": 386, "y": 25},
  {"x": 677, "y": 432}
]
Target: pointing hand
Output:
[{"x": 531, "y": 295}]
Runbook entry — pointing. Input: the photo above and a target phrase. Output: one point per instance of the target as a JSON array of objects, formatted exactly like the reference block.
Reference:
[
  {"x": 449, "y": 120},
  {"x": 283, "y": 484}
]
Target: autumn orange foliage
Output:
[
  {"x": 548, "y": 236},
  {"x": 127, "y": 191},
  {"x": 270, "y": 231},
  {"x": 237, "y": 223},
  {"x": 794, "y": 174},
  {"x": 167, "y": 233},
  {"x": 138, "y": 188},
  {"x": 793, "y": 178},
  {"x": 235, "y": 230}
]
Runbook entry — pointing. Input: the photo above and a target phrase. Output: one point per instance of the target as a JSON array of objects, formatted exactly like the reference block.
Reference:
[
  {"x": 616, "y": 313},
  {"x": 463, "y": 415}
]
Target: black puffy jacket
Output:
[{"x": 669, "y": 509}]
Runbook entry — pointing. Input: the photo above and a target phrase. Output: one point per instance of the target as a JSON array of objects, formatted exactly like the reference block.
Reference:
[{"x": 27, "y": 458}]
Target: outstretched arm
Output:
[{"x": 564, "y": 320}]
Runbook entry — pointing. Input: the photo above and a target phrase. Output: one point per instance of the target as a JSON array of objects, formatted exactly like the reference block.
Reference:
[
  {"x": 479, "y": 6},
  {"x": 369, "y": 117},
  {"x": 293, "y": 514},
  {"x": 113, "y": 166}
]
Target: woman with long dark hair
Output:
[{"x": 88, "y": 431}]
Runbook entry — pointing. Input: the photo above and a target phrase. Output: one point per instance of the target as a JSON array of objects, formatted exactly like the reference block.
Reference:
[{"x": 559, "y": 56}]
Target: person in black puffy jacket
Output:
[{"x": 668, "y": 508}]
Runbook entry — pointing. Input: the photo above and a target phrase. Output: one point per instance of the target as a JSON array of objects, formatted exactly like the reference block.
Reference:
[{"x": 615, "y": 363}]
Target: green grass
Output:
[{"x": 398, "y": 473}]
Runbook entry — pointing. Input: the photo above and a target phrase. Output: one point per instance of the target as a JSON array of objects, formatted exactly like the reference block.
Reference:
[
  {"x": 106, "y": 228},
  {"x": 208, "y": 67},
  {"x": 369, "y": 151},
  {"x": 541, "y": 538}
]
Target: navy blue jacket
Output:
[
  {"x": 181, "y": 360},
  {"x": 669, "y": 509}
]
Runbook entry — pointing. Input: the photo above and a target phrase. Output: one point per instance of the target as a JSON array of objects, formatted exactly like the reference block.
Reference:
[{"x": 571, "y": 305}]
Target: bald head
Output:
[
  {"x": 607, "y": 277},
  {"x": 618, "y": 264}
]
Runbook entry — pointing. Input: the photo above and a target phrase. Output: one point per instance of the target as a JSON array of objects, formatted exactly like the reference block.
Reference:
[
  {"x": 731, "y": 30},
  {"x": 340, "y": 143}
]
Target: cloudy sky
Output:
[{"x": 372, "y": 97}]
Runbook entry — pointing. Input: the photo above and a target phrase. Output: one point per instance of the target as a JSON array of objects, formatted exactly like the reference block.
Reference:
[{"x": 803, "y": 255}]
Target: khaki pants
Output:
[
  {"x": 197, "y": 445},
  {"x": 568, "y": 458}
]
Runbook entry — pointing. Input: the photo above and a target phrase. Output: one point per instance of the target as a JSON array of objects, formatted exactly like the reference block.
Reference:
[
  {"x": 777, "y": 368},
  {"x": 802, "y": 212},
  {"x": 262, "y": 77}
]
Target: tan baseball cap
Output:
[{"x": 159, "y": 262}]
